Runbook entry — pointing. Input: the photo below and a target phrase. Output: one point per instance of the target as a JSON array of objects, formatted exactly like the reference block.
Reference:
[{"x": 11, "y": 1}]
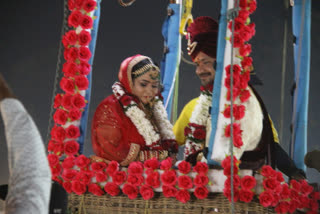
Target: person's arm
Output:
[{"x": 30, "y": 176}]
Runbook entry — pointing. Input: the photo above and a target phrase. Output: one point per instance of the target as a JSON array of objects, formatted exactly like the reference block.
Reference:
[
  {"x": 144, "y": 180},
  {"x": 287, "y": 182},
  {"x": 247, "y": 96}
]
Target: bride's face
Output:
[{"x": 146, "y": 86}]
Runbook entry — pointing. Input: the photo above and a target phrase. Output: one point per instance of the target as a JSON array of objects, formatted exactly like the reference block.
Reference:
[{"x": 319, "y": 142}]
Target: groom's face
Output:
[{"x": 205, "y": 70}]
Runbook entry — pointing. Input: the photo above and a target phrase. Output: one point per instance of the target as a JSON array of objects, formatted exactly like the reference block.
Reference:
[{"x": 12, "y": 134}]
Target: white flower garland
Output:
[{"x": 143, "y": 125}]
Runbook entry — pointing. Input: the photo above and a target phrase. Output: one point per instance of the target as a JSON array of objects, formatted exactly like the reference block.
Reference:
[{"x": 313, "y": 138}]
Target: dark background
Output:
[{"x": 31, "y": 35}]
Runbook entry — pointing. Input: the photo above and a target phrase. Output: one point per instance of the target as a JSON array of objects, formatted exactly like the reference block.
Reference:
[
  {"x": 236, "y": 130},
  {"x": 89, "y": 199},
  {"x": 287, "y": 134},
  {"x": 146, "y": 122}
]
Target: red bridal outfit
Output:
[{"x": 123, "y": 129}]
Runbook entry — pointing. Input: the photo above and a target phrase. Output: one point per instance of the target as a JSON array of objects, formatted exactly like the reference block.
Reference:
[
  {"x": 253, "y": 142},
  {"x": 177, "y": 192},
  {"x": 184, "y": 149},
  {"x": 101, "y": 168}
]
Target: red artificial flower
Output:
[
  {"x": 135, "y": 168},
  {"x": 252, "y": 27},
  {"x": 245, "y": 50},
  {"x": 75, "y": 114},
  {"x": 304, "y": 202},
  {"x": 57, "y": 101},
  {"x": 152, "y": 163},
  {"x": 58, "y": 133},
  {"x": 101, "y": 177},
  {"x": 67, "y": 85},
  {"x": 201, "y": 180},
  {"x": 236, "y": 70},
  {"x": 84, "y": 177},
  {"x": 70, "y": 69},
  {"x": 153, "y": 180},
  {"x": 75, "y": 18},
  {"x": 227, "y": 193},
  {"x": 201, "y": 192},
  {"x": 84, "y": 38},
  {"x": 295, "y": 185},
  {"x": 199, "y": 134},
  {"x": 73, "y": 54},
  {"x": 314, "y": 205},
  {"x": 84, "y": 67},
  {"x": 253, "y": 6},
  {"x": 239, "y": 112},
  {"x": 71, "y": 147},
  {"x": 89, "y": 5},
  {"x": 135, "y": 180},
  {"x": 68, "y": 162},
  {"x": 246, "y": 195},
  {"x": 71, "y": 4},
  {"x": 293, "y": 205},
  {"x": 130, "y": 190},
  {"x": 56, "y": 170},
  {"x": 166, "y": 164},
  {"x": 294, "y": 194},
  {"x": 237, "y": 41},
  {"x": 235, "y": 83},
  {"x": 66, "y": 52},
  {"x": 270, "y": 183},
  {"x": 169, "y": 191},
  {"x": 95, "y": 189},
  {"x": 246, "y": 33},
  {"x": 185, "y": 182},
  {"x": 243, "y": 15},
  {"x": 58, "y": 148},
  {"x": 266, "y": 198},
  {"x": 187, "y": 131},
  {"x": 237, "y": 141},
  {"x": 112, "y": 189},
  {"x": 184, "y": 167},
  {"x": 285, "y": 191},
  {"x": 73, "y": 132},
  {"x": 246, "y": 63},
  {"x": 66, "y": 101},
  {"x": 69, "y": 174},
  {"x": 245, "y": 95},
  {"x": 113, "y": 167},
  {"x": 227, "y": 170},
  {"x": 53, "y": 159},
  {"x": 169, "y": 178},
  {"x": 82, "y": 161},
  {"x": 183, "y": 196},
  {"x": 201, "y": 167},
  {"x": 65, "y": 45},
  {"x": 306, "y": 189},
  {"x": 84, "y": 53},
  {"x": 82, "y": 82},
  {"x": 86, "y": 22},
  {"x": 236, "y": 182},
  {"x": 78, "y": 101},
  {"x": 78, "y": 187},
  {"x": 51, "y": 145},
  {"x": 236, "y": 92},
  {"x": 315, "y": 195},
  {"x": 67, "y": 186},
  {"x": 236, "y": 130},
  {"x": 98, "y": 166},
  {"x": 71, "y": 37},
  {"x": 60, "y": 117},
  {"x": 146, "y": 192},
  {"x": 78, "y": 4},
  {"x": 283, "y": 207},
  {"x": 243, "y": 4},
  {"x": 244, "y": 79},
  {"x": 238, "y": 24},
  {"x": 119, "y": 177},
  {"x": 267, "y": 171}
]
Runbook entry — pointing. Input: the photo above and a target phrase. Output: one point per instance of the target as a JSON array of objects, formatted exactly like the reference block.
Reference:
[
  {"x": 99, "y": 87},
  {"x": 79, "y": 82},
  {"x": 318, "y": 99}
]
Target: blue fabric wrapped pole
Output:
[
  {"x": 301, "y": 21},
  {"x": 92, "y": 46},
  {"x": 171, "y": 60}
]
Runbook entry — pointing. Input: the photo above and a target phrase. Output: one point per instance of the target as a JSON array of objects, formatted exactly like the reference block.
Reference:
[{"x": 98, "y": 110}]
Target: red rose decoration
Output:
[
  {"x": 75, "y": 114},
  {"x": 71, "y": 4},
  {"x": 66, "y": 52},
  {"x": 239, "y": 112},
  {"x": 245, "y": 95},
  {"x": 243, "y": 15},
  {"x": 135, "y": 168},
  {"x": 199, "y": 134},
  {"x": 66, "y": 101},
  {"x": 112, "y": 189},
  {"x": 315, "y": 195},
  {"x": 246, "y": 33},
  {"x": 166, "y": 164},
  {"x": 169, "y": 178},
  {"x": 57, "y": 101},
  {"x": 71, "y": 147},
  {"x": 75, "y": 18},
  {"x": 95, "y": 189},
  {"x": 244, "y": 79},
  {"x": 294, "y": 194},
  {"x": 73, "y": 132},
  {"x": 98, "y": 166},
  {"x": 73, "y": 54},
  {"x": 86, "y": 22},
  {"x": 78, "y": 4},
  {"x": 185, "y": 182},
  {"x": 146, "y": 192},
  {"x": 84, "y": 177},
  {"x": 201, "y": 167},
  {"x": 187, "y": 131},
  {"x": 253, "y": 6},
  {"x": 295, "y": 185},
  {"x": 227, "y": 170},
  {"x": 304, "y": 202},
  {"x": 201, "y": 192},
  {"x": 78, "y": 101},
  {"x": 60, "y": 117},
  {"x": 236, "y": 130},
  {"x": 237, "y": 41},
  {"x": 243, "y": 4},
  {"x": 238, "y": 25},
  {"x": 236, "y": 182},
  {"x": 246, "y": 63},
  {"x": 69, "y": 174},
  {"x": 201, "y": 180},
  {"x": 270, "y": 183},
  {"x": 113, "y": 167},
  {"x": 82, "y": 82},
  {"x": 67, "y": 85},
  {"x": 72, "y": 37},
  {"x": 84, "y": 38},
  {"x": 68, "y": 162},
  {"x": 89, "y": 5},
  {"x": 84, "y": 67},
  {"x": 283, "y": 207},
  {"x": 237, "y": 141},
  {"x": 184, "y": 167},
  {"x": 169, "y": 191},
  {"x": 101, "y": 177},
  {"x": 130, "y": 190},
  {"x": 285, "y": 191},
  {"x": 267, "y": 171},
  {"x": 55, "y": 170},
  {"x": 53, "y": 159},
  {"x": 67, "y": 186},
  {"x": 227, "y": 111},
  {"x": 314, "y": 205},
  {"x": 82, "y": 161},
  {"x": 306, "y": 189},
  {"x": 135, "y": 180},
  {"x": 183, "y": 196},
  {"x": 78, "y": 187},
  {"x": 84, "y": 53},
  {"x": 248, "y": 182},
  {"x": 235, "y": 69},
  {"x": 119, "y": 177},
  {"x": 266, "y": 198},
  {"x": 245, "y": 50},
  {"x": 252, "y": 27},
  {"x": 236, "y": 92},
  {"x": 246, "y": 195},
  {"x": 152, "y": 163},
  {"x": 235, "y": 83},
  {"x": 153, "y": 180},
  {"x": 227, "y": 193}
]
